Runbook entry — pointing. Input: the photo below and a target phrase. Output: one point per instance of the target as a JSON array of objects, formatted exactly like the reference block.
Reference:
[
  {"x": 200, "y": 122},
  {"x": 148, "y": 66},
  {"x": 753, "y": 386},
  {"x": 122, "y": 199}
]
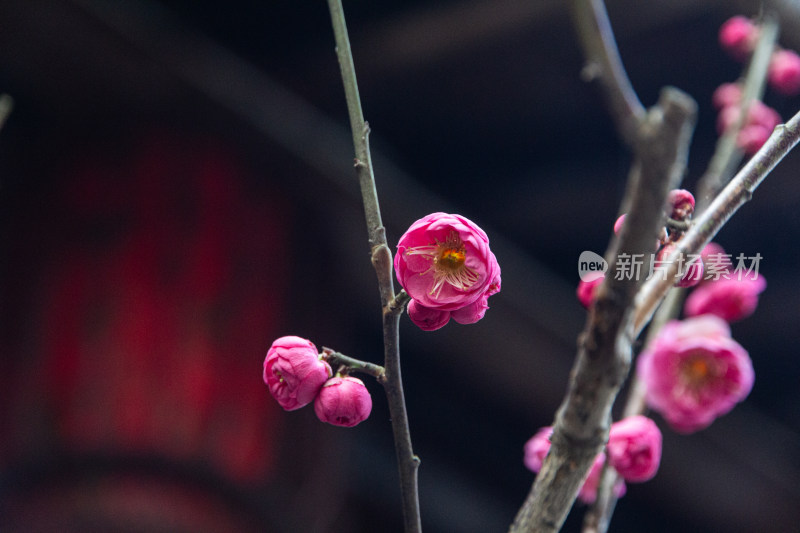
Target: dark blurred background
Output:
[{"x": 176, "y": 191}]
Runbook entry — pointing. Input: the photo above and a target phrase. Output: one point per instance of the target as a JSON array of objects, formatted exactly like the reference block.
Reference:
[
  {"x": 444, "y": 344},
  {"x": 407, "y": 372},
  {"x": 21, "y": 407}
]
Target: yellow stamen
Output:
[{"x": 447, "y": 264}]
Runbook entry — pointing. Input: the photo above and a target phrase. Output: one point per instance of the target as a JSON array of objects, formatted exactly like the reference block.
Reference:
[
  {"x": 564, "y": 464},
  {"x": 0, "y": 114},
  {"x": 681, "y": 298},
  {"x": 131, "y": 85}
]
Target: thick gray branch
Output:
[{"x": 604, "y": 350}]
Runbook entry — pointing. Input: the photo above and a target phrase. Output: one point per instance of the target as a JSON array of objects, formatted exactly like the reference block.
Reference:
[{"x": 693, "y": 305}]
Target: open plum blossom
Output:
[
  {"x": 730, "y": 299},
  {"x": 445, "y": 265},
  {"x": 294, "y": 372},
  {"x": 634, "y": 448},
  {"x": 343, "y": 401},
  {"x": 694, "y": 372},
  {"x": 536, "y": 449}
]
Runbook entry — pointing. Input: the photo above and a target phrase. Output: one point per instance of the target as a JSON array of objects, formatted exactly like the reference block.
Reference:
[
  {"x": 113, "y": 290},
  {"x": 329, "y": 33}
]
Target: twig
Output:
[
  {"x": 351, "y": 364},
  {"x": 738, "y": 191},
  {"x": 392, "y": 308},
  {"x": 727, "y": 155},
  {"x": 603, "y": 62},
  {"x": 604, "y": 348}
]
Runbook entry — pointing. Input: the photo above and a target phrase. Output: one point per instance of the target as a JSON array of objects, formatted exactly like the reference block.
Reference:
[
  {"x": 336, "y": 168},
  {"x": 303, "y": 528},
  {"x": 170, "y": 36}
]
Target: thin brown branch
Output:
[
  {"x": 351, "y": 364},
  {"x": 603, "y": 63},
  {"x": 407, "y": 462},
  {"x": 727, "y": 155},
  {"x": 604, "y": 351}
]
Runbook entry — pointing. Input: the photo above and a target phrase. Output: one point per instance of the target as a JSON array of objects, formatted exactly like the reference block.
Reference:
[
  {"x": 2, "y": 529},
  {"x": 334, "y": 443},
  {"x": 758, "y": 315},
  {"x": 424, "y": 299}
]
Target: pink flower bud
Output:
[
  {"x": 618, "y": 224},
  {"x": 693, "y": 372},
  {"x": 343, "y": 402},
  {"x": 727, "y": 95},
  {"x": 536, "y": 449},
  {"x": 425, "y": 318},
  {"x": 294, "y": 372},
  {"x": 587, "y": 289},
  {"x": 690, "y": 269},
  {"x": 730, "y": 299},
  {"x": 634, "y": 448},
  {"x": 738, "y": 36},
  {"x": 784, "y": 72},
  {"x": 761, "y": 114},
  {"x": 621, "y": 221},
  {"x": 444, "y": 263},
  {"x": 681, "y": 202},
  {"x": 758, "y": 114},
  {"x": 751, "y": 138}
]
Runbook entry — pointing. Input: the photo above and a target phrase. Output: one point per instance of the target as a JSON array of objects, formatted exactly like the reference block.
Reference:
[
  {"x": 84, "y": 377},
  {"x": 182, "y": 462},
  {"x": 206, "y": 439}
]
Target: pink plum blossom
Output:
[
  {"x": 444, "y": 263},
  {"x": 730, "y": 299},
  {"x": 694, "y": 372},
  {"x": 634, "y": 448},
  {"x": 738, "y": 36},
  {"x": 784, "y": 72},
  {"x": 294, "y": 372},
  {"x": 536, "y": 450},
  {"x": 343, "y": 401}
]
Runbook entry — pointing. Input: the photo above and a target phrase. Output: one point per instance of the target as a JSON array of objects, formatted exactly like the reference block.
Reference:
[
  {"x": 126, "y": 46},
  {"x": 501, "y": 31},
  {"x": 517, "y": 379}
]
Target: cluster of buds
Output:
[
  {"x": 758, "y": 122},
  {"x": 680, "y": 207},
  {"x": 633, "y": 450},
  {"x": 445, "y": 265},
  {"x": 297, "y": 374},
  {"x": 738, "y": 36}
]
